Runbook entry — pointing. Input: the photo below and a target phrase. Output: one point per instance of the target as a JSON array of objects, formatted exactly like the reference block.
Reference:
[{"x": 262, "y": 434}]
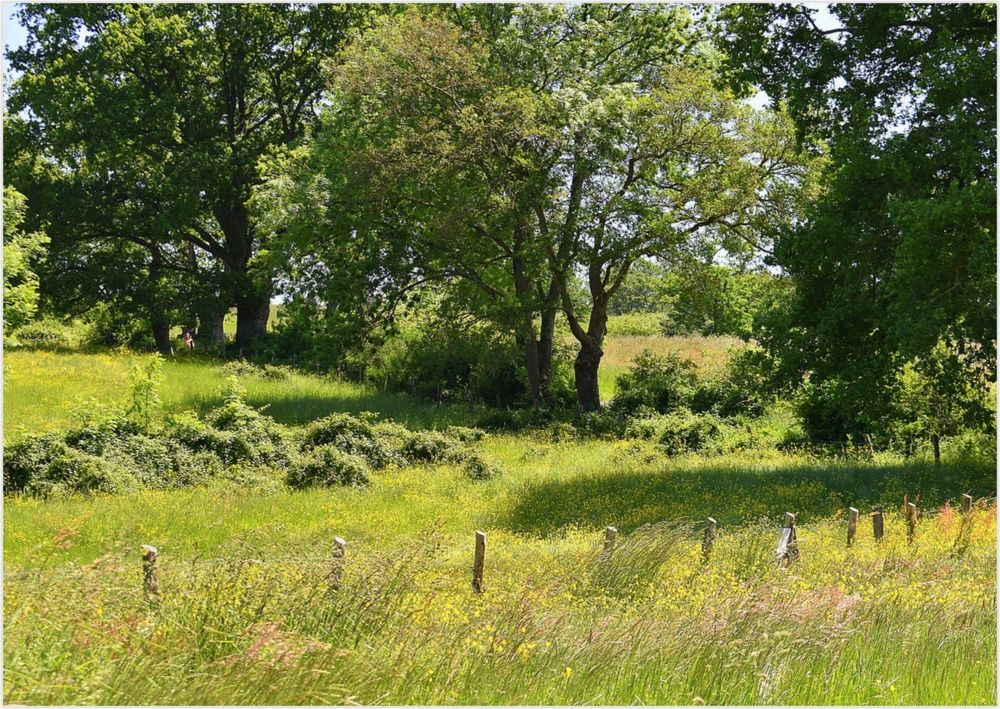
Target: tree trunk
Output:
[
  {"x": 587, "y": 363},
  {"x": 161, "y": 333},
  {"x": 546, "y": 338},
  {"x": 252, "y": 312},
  {"x": 936, "y": 442},
  {"x": 211, "y": 334},
  {"x": 530, "y": 346},
  {"x": 253, "y": 295}
]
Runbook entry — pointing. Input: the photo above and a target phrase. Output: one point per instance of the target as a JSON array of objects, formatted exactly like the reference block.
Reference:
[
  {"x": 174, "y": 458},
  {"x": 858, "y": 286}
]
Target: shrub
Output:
[
  {"x": 439, "y": 361},
  {"x": 684, "y": 431},
  {"x": 475, "y": 467},
  {"x": 47, "y": 333},
  {"x": 561, "y": 432},
  {"x": 748, "y": 384},
  {"x": 465, "y": 435},
  {"x": 329, "y": 428},
  {"x": 247, "y": 436},
  {"x": 45, "y": 466},
  {"x": 478, "y": 469},
  {"x": 662, "y": 383},
  {"x": 22, "y": 460},
  {"x": 645, "y": 428},
  {"x": 428, "y": 447},
  {"x": 327, "y": 466}
]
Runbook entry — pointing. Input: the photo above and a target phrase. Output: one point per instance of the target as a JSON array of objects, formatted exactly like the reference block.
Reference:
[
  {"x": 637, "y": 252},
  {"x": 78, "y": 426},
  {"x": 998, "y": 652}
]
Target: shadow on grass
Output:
[
  {"x": 733, "y": 493},
  {"x": 296, "y": 409}
]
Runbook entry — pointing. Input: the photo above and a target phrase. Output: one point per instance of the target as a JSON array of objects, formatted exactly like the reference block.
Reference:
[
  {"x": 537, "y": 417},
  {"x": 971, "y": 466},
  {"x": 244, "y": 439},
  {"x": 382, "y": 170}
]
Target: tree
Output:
[
  {"x": 21, "y": 251},
  {"x": 679, "y": 161},
  {"x": 515, "y": 147},
  {"x": 185, "y": 100},
  {"x": 899, "y": 254}
]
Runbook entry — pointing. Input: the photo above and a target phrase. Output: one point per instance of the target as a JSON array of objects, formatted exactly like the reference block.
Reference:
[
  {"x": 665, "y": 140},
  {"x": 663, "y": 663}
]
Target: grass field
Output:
[
  {"x": 245, "y": 613},
  {"x": 46, "y": 390}
]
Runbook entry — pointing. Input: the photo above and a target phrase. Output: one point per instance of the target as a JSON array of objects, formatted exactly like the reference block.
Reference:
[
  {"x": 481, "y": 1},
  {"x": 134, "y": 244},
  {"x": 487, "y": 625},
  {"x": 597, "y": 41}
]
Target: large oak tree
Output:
[{"x": 166, "y": 111}]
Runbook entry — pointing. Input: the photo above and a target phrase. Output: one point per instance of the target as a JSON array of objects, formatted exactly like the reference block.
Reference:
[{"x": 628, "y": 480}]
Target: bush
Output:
[
  {"x": 47, "y": 333},
  {"x": 684, "y": 431},
  {"x": 428, "y": 447},
  {"x": 663, "y": 383},
  {"x": 326, "y": 466},
  {"x": 44, "y": 466},
  {"x": 24, "y": 459},
  {"x": 234, "y": 444},
  {"x": 746, "y": 386},
  {"x": 561, "y": 432},
  {"x": 465, "y": 435},
  {"x": 242, "y": 435},
  {"x": 329, "y": 428}
]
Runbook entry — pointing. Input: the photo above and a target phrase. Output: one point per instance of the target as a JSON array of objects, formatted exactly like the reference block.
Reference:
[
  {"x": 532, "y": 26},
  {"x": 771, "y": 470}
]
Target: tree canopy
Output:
[{"x": 899, "y": 252}]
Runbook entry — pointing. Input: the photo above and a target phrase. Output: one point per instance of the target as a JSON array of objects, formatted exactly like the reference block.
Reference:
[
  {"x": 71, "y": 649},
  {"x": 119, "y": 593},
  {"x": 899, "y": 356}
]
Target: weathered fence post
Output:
[
  {"x": 610, "y": 535},
  {"x": 149, "y": 581},
  {"x": 852, "y": 524},
  {"x": 965, "y": 526},
  {"x": 788, "y": 549},
  {"x": 911, "y": 521},
  {"x": 878, "y": 524},
  {"x": 708, "y": 540},
  {"x": 337, "y": 565},
  {"x": 478, "y": 562}
]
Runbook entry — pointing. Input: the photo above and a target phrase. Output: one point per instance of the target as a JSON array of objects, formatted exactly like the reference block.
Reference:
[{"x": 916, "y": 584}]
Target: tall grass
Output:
[{"x": 560, "y": 621}]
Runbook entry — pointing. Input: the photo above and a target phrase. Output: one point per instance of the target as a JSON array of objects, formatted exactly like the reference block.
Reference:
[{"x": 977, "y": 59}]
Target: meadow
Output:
[{"x": 245, "y": 613}]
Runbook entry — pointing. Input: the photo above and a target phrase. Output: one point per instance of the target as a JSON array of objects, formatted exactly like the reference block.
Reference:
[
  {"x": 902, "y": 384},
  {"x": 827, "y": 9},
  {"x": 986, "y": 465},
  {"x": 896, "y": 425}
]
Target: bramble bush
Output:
[
  {"x": 326, "y": 465},
  {"x": 235, "y": 443}
]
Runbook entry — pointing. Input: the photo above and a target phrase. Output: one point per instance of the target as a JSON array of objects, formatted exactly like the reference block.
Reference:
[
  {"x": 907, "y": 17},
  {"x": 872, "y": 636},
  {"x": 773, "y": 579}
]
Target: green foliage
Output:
[
  {"x": 437, "y": 358},
  {"x": 45, "y": 466},
  {"x": 938, "y": 397},
  {"x": 635, "y": 325},
  {"x": 718, "y": 300},
  {"x": 745, "y": 387},
  {"x": 43, "y": 334},
  {"x": 144, "y": 398},
  {"x": 660, "y": 383},
  {"x": 683, "y": 431},
  {"x": 326, "y": 465},
  {"x": 899, "y": 253},
  {"x": 21, "y": 253},
  {"x": 155, "y": 222}
]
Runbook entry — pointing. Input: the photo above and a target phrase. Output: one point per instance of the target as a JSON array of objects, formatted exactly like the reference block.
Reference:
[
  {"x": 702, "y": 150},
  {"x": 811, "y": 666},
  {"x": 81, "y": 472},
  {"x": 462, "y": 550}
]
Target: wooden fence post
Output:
[
  {"x": 788, "y": 548},
  {"x": 337, "y": 565},
  {"x": 911, "y": 521},
  {"x": 478, "y": 562},
  {"x": 852, "y": 524},
  {"x": 150, "y": 584},
  {"x": 878, "y": 524},
  {"x": 610, "y": 535},
  {"x": 708, "y": 540},
  {"x": 966, "y": 504}
]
